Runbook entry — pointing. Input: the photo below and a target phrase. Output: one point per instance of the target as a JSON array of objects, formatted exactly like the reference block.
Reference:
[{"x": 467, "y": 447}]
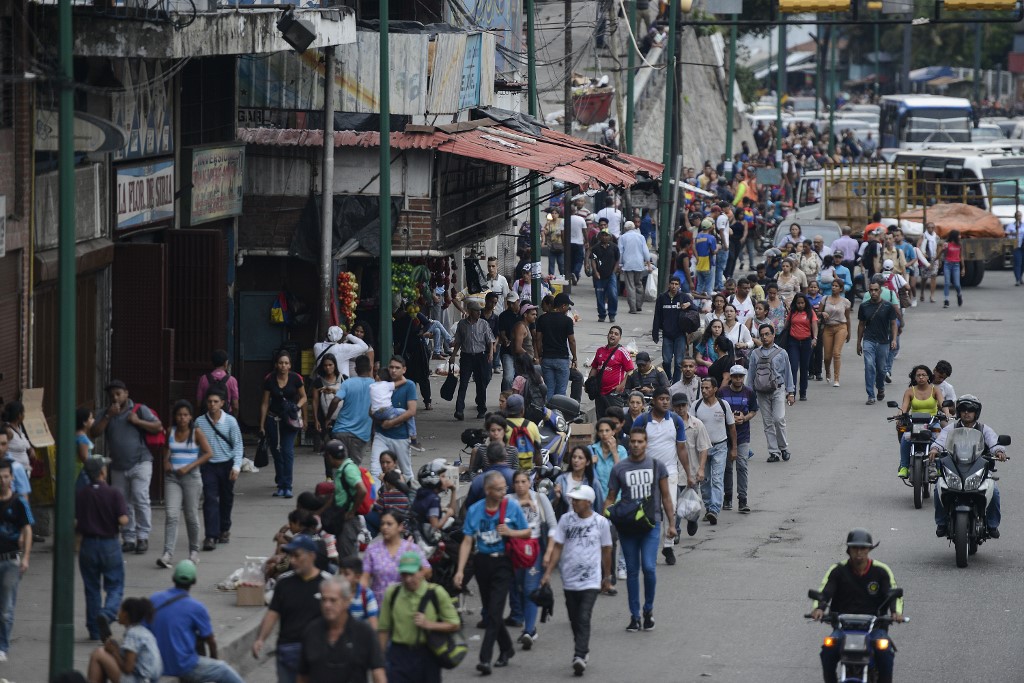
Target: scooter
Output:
[
  {"x": 857, "y": 653},
  {"x": 965, "y": 489},
  {"x": 559, "y": 412},
  {"x": 921, "y": 427}
]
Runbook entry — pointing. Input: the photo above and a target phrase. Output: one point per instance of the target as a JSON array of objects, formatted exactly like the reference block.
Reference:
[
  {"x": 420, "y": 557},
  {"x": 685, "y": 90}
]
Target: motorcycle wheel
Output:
[
  {"x": 917, "y": 477},
  {"x": 960, "y": 534}
]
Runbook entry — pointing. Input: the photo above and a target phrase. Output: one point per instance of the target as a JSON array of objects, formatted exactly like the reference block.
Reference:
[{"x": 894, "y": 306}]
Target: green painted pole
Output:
[
  {"x": 833, "y": 39},
  {"x": 666, "y": 222},
  {"x": 62, "y": 604},
  {"x": 386, "y": 346},
  {"x": 731, "y": 97},
  {"x": 878, "y": 86},
  {"x": 780, "y": 87},
  {"x": 531, "y": 95},
  {"x": 630, "y": 76}
]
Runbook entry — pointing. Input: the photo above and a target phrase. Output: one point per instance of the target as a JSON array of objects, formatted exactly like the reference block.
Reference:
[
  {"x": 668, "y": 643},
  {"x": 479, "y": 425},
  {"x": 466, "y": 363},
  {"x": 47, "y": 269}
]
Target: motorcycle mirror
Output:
[
  {"x": 815, "y": 595},
  {"x": 1003, "y": 440},
  {"x": 896, "y": 593},
  {"x": 892, "y": 404},
  {"x": 948, "y": 404}
]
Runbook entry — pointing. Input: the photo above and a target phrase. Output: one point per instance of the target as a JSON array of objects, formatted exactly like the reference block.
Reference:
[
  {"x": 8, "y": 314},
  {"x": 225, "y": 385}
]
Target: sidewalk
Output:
[{"x": 257, "y": 516}]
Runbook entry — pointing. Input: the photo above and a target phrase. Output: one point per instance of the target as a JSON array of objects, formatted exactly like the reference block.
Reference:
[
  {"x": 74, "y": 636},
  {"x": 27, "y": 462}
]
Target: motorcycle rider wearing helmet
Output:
[
  {"x": 427, "y": 504},
  {"x": 349, "y": 492},
  {"x": 859, "y": 585},
  {"x": 968, "y": 410}
]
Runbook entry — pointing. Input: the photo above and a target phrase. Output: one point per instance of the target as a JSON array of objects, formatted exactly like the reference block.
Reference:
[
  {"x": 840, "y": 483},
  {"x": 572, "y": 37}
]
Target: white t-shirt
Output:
[
  {"x": 715, "y": 418},
  {"x": 344, "y": 353},
  {"x": 380, "y": 395},
  {"x": 722, "y": 224},
  {"x": 661, "y": 442},
  {"x": 692, "y": 389},
  {"x": 929, "y": 245},
  {"x": 582, "y": 540},
  {"x": 948, "y": 393},
  {"x": 744, "y": 309},
  {"x": 614, "y": 217},
  {"x": 577, "y": 227}
]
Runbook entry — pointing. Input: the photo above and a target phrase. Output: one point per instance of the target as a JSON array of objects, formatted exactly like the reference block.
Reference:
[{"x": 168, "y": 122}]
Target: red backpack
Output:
[{"x": 157, "y": 442}]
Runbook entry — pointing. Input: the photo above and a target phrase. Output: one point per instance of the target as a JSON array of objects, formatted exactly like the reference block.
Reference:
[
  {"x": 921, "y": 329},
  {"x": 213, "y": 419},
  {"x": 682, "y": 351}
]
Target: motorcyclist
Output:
[
  {"x": 859, "y": 585},
  {"x": 427, "y": 507},
  {"x": 647, "y": 377},
  {"x": 968, "y": 410}
]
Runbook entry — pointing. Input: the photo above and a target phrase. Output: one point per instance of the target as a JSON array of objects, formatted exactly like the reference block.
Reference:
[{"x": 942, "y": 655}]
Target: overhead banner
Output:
[
  {"x": 212, "y": 183},
  {"x": 145, "y": 194}
]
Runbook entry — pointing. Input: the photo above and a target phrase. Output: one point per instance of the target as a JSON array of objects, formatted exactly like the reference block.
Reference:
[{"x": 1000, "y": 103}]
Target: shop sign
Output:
[
  {"x": 145, "y": 194},
  {"x": 213, "y": 187}
]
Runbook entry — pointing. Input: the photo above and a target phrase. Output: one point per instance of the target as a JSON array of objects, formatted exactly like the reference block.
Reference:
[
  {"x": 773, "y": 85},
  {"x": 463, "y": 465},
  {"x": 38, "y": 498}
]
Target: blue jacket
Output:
[{"x": 843, "y": 273}]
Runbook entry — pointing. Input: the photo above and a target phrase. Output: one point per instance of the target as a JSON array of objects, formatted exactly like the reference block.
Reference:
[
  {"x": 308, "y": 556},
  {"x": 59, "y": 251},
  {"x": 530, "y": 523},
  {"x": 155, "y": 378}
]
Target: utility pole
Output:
[
  {"x": 833, "y": 35},
  {"x": 877, "y": 69},
  {"x": 386, "y": 346},
  {"x": 631, "y": 71},
  {"x": 531, "y": 95},
  {"x": 327, "y": 192},
  {"x": 905, "y": 71},
  {"x": 731, "y": 95},
  {"x": 819, "y": 71},
  {"x": 62, "y": 595},
  {"x": 569, "y": 112},
  {"x": 666, "y": 221},
  {"x": 780, "y": 88},
  {"x": 977, "y": 64}
]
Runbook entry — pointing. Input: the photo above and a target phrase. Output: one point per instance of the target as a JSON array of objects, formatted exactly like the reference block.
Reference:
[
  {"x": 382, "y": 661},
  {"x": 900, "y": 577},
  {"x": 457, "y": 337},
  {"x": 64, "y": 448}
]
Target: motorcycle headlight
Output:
[
  {"x": 953, "y": 480},
  {"x": 973, "y": 482},
  {"x": 560, "y": 425}
]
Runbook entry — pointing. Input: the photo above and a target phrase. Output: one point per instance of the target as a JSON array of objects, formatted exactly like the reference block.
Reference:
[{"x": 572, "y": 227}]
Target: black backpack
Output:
[
  {"x": 535, "y": 397},
  {"x": 220, "y": 384}
]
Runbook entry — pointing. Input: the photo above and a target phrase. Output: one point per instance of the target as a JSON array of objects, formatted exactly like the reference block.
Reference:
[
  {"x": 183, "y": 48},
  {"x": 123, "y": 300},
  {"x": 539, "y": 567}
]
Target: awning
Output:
[{"x": 550, "y": 153}]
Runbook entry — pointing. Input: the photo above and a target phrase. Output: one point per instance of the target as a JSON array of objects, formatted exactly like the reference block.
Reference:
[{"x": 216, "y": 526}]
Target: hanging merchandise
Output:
[{"x": 348, "y": 297}]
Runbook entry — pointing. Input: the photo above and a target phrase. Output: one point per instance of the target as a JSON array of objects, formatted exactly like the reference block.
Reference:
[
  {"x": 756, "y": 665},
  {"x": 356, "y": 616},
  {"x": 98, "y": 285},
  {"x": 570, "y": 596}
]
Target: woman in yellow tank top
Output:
[{"x": 920, "y": 397}]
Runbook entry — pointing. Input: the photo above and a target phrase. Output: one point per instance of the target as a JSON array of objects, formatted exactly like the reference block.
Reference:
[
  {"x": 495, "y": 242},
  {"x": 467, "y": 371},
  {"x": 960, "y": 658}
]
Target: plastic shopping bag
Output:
[
  {"x": 690, "y": 505},
  {"x": 651, "y": 288}
]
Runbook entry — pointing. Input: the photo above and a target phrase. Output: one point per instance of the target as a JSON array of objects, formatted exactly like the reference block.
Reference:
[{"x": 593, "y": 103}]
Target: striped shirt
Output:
[
  {"x": 183, "y": 453},
  {"x": 392, "y": 499},
  {"x": 227, "y": 445}
]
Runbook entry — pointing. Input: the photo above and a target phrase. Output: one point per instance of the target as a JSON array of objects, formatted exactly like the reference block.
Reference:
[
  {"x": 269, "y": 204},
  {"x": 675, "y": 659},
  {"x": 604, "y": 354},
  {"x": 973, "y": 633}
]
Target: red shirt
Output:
[
  {"x": 618, "y": 366},
  {"x": 953, "y": 253},
  {"x": 800, "y": 326}
]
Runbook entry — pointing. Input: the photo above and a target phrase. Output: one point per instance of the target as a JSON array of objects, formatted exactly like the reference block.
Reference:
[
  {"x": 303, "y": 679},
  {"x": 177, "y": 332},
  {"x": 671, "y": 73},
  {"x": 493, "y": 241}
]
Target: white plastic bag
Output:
[
  {"x": 651, "y": 288},
  {"x": 690, "y": 505}
]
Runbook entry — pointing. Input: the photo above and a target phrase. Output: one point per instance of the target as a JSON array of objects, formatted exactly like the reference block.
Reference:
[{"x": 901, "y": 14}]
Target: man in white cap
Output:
[
  {"x": 344, "y": 348},
  {"x": 743, "y": 402},
  {"x": 635, "y": 261},
  {"x": 582, "y": 548}
]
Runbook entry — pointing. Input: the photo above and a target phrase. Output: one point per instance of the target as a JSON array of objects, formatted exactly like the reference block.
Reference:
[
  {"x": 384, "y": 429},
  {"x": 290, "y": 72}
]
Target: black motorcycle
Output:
[
  {"x": 857, "y": 653},
  {"x": 921, "y": 427}
]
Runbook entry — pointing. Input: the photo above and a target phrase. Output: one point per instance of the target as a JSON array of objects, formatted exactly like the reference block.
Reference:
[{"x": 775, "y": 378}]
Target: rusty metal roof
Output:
[{"x": 551, "y": 153}]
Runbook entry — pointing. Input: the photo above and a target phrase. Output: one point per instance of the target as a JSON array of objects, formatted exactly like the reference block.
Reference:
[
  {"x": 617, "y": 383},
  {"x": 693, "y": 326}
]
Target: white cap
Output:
[
  {"x": 583, "y": 492},
  {"x": 887, "y": 264},
  {"x": 737, "y": 370},
  {"x": 628, "y": 225},
  {"x": 335, "y": 334}
]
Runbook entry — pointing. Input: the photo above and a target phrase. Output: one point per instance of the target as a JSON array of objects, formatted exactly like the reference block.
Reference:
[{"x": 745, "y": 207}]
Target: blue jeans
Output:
[
  {"x": 884, "y": 659},
  {"x": 705, "y": 281},
  {"x": 951, "y": 274},
  {"x": 281, "y": 438},
  {"x": 712, "y": 489},
  {"x": 99, "y": 560},
  {"x": 553, "y": 258},
  {"x": 607, "y": 290},
  {"x": 891, "y": 355},
  {"x": 673, "y": 350},
  {"x": 905, "y": 451},
  {"x": 556, "y": 375},
  {"x": 993, "y": 514},
  {"x": 1018, "y": 264},
  {"x": 721, "y": 260},
  {"x": 522, "y": 608},
  {"x": 288, "y": 656},
  {"x": 211, "y": 671},
  {"x": 875, "y": 355},
  {"x": 508, "y": 371},
  {"x": 641, "y": 552},
  {"x": 577, "y": 255},
  {"x": 442, "y": 337},
  {"x": 799, "y": 351},
  {"x": 10, "y": 575}
]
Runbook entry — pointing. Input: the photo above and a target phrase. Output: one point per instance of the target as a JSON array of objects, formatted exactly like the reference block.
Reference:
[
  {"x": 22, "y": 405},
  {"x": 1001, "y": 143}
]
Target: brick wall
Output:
[
  {"x": 415, "y": 226},
  {"x": 269, "y": 221}
]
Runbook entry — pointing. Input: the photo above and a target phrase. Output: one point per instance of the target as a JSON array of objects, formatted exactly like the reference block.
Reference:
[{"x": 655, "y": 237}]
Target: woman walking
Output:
[
  {"x": 187, "y": 450},
  {"x": 737, "y": 333},
  {"x": 581, "y": 471},
  {"x": 704, "y": 352},
  {"x": 953, "y": 262},
  {"x": 835, "y": 312},
  {"x": 607, "y": 451},
  {"x": 382, "y": 556},
  {"x": 802, "y": 325},
  {"x": 18, "y": 446},
  {"x": 541, "y": 519},
  {"x": 283, "y": 398},
  {"x": 325, "y": 405}
]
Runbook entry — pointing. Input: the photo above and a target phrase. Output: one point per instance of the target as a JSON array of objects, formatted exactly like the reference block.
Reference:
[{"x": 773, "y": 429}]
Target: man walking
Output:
[
  {"x": 219, "y": 378},
  {"x": 689, "y": 382},
  {"x": 668, "y": 321},
  {"x": 876, "y": 336},
  {"x": 219, "y": 472},
  {"x": 697, "y": 446},
  {"x": 506, "y": 329},
  {"x": 721, "y": 426},
  {"x": 473, "y": 336},
  {"x": 636, "y": 259},
  {"x": 582, "y": 550},
  {"x": 743, "y": 403},
  {"x": 100, "y": 510},
  {"x": 295, "y": 604},
  {"x": 638, "y": 478},
  {"x": 335, "y": 642},
  {"x": 180, "y": 623},
  {"x": 124, "y": 423},
  {"x": 577, "y": 242},
  {"x": 557, "y": 342},
  {"x": 611, "y": 215},
  {"x": 605, "y": 257},
  {"x": 722, "y": 230},
  {"x": 705, "y": 246},
  {"x": 772, "y": 381},
  {"x": 353, "y": 426},
  {"x": 497, "y": 284},
  {"x": 15, "y": 549}
]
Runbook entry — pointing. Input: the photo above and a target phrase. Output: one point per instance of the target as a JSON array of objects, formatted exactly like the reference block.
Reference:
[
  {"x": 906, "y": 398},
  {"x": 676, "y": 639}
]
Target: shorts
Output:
[{"x": 932, "y": 270}]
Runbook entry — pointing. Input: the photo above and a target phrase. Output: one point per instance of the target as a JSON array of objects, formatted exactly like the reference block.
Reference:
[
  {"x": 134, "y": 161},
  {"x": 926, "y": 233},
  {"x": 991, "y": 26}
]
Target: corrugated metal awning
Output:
[{"x": 552, "y": 154}]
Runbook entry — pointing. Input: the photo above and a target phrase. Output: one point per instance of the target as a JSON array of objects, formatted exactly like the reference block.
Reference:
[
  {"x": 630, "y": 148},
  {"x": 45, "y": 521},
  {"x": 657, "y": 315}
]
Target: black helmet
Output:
[
  {"x": 335, "y": 450},
  {"x": 971, "y": 402},
  {"x": 859, "y": 538},
  {"x": 429, "y": 475}
]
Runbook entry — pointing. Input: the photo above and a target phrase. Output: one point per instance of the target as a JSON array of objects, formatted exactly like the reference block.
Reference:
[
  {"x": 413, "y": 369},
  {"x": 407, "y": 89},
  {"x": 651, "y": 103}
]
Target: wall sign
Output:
[
  {"x": 145, "y": 194},
  {"x": 212, "y": 183}
]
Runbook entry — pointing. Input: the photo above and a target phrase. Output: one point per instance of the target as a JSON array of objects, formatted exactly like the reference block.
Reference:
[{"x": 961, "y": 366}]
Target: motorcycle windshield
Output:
[{"x": 965, "y": 445}]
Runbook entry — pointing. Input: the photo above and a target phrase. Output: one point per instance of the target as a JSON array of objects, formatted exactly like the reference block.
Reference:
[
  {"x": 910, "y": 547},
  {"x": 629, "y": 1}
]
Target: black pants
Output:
[
  {"x": 580, "y": 605},
  {"x": 473, "y": 366},
  {"x": 411, "y": 665},
  {"x": 218, "y": 497},
  {"x": 575, "y": 384},
  {"x": 818, "y": 354},
  {"x": 494, "y": 576},
  {"x": 348, "y": 539},
  {"x": 603, "y": 403}
]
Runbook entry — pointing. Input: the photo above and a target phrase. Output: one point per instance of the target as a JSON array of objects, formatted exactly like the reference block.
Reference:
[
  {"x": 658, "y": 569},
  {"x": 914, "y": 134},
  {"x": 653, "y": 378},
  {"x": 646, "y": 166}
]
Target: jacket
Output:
[{"x": 666, "y": 314}]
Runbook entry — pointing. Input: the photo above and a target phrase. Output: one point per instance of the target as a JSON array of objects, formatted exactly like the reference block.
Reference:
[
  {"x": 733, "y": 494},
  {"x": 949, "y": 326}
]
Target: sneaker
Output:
[
  {"x": 164, "y": 561},
  {"x": 3, "y": 656},
  {"x": 648, "y": 621},
  {"x": 277, "y": 494},
  {"x": 611, "y": 318},
  {"x": 959, "y": 300},
  {"x": 526, "y": 640},
  {"x": 634, "y": 625},
  {"x": 579, "y": 665},
  {"x": 786, "y": 456},
  {"x": 727, "y": 505},
  {"x": 103, "y": 627},
  {"x": 193, "y": 556},
  {"x": 670, "y": 556},
  {"x": 941, "y": 530},
  {"x": 945, "y": 304},
  {"x": 691, "y": 528},
  {"x": 744, "y": 508},
  {"x": 881, "y": 394},
  {"x": 210, "y": 544},
  {"x": 888, "y": 378},
  {"x": 993, "y": 532},
  {"x": 869, "y": 402},
  {"x": 509, "y": 621},
  {"x": 836, "y": 384},
  {"x": 285, "y": 493},
  {"x": 773, "y": 457},
  {"x": 903, "y": 473},
  {"x": 415, "y": 445},
  {"x": 128, "y": 547},
  {"x": 711, "y": 518},
  {"x": 142, "y": 546}
]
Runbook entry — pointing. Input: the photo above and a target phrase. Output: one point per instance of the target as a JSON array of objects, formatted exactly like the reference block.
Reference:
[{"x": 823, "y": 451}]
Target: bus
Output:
[{"x": 912, "y": 121}]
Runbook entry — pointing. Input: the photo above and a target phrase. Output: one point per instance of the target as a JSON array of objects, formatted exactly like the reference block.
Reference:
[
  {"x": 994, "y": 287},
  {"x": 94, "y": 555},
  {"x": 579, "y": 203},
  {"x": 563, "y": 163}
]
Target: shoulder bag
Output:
[
  {"x": 522, "y": 551},
  {"x": 593, "y": 384}
]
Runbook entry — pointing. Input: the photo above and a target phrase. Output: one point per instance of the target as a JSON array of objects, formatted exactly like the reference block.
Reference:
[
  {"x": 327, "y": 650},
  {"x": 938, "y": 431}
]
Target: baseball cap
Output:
[
  {"x": 887, "y": 264},
  {"x": 707, "y": 224},
  {"x": 514, "y": 404},
  {"x": 94, "y": 464},
  {"x": 115, "y": 384},
  {"x": 185, "y": 572},
  {"x": 324, "y": 488},
  {"x": 680, "y": 398},
  {"x": 737, "y": 370},
  {"x": 301, "y": 542},
  {"x": 512, "y": 297},
  {"x": 335, "y": 334},
  {"x": 583, "y": 492},
  {"x": 526, "y": 308},
  {"x": 591, "y": 219},
  {"x": 562, "y": 299},
  {"x": 409, "y": 563},
  {"x": 643, "y": 357}
]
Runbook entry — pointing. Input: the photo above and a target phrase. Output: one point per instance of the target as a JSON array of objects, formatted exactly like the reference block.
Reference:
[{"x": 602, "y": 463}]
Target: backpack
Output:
[
  {"x": 764, "y": 376},
  {"x": 903, "y": 293},
  {"x": 447, "y": 649},
  {"x": 535, "y": 397},
  {"x": 221, "y": 385},
  {"x": 521, "y": 440},
  {"x": 157, "y": 442},
  {"x": 333, "y": 518}
]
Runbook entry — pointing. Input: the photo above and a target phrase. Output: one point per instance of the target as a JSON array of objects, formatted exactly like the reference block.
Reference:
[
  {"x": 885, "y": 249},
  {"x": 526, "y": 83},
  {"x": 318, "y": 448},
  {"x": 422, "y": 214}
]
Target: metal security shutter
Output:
[
  {"x": 196, "y": 298},
  {"x": 10, "y": 326}
]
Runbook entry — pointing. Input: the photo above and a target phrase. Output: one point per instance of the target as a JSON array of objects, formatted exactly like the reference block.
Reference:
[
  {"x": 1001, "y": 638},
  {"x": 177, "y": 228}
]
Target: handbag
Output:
[
  {"x": 593, "y": 384},
  {"x": 632, "y": 517},
  {"x": 522, "y": 551},
  {"x": 451, "y": 382},
  {"x": 262, "y": 456}
]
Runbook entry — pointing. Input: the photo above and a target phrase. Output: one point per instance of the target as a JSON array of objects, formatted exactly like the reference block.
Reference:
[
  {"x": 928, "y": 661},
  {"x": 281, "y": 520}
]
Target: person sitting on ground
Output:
[{"x": 137, "y": 659}]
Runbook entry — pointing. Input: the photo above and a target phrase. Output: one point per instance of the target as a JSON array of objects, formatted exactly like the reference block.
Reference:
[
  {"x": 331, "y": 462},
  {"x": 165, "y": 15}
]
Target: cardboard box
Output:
[
  {"x": 580, "y": 434},
  {"x": 35, "y": 422},
  {"x": 250, "y": 596}
]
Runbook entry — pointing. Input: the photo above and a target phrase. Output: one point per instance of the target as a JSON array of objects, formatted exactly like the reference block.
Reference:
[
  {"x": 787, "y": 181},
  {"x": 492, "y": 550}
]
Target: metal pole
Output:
[
  {"x": 327, "y": 192},
  {"x": 567, "y": 119},
  {"x": 977, "y": 65},
  {"x": 62, "y": 600},
  {"x": 386, "y": 347},
  {"x": 833, "y": 39},
  {"x": 666, "y": 221},
  {"x": 878, "y": 85},
  {"x": 731, "y": 96},
  {"x": 819, "y": 72},
  {"x": 531, "y": 96},
  {"x": 780, "y": 87},
  {"x": 905, "y": 71},
  {"x": 631, "y": 69}
]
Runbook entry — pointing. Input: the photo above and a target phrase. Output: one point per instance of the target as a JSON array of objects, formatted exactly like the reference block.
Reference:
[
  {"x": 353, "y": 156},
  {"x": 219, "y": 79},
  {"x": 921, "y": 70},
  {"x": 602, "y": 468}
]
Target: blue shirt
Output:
[
  {"x": 633, "y": 248},
  {"x": 742, "y": 401},
  {"x": 399, "y": 399},
  {"x": 176, "y": 628},
  {"x": 354, "y": 416},
  {"x": 364, "y": 604},
  {"x": 476, "y": 487},
  {"x": 484, "y": 527},
  {"x": 908, "y": 251}
]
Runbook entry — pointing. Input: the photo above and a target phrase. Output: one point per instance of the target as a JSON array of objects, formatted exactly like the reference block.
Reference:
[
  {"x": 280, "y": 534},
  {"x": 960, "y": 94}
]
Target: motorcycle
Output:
[
  {"x": 920, "y": 427},
  {"x": 559, "y": 412},
  {"x": 857, "y": 653},
  {"x": 965, "y": 488}
]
